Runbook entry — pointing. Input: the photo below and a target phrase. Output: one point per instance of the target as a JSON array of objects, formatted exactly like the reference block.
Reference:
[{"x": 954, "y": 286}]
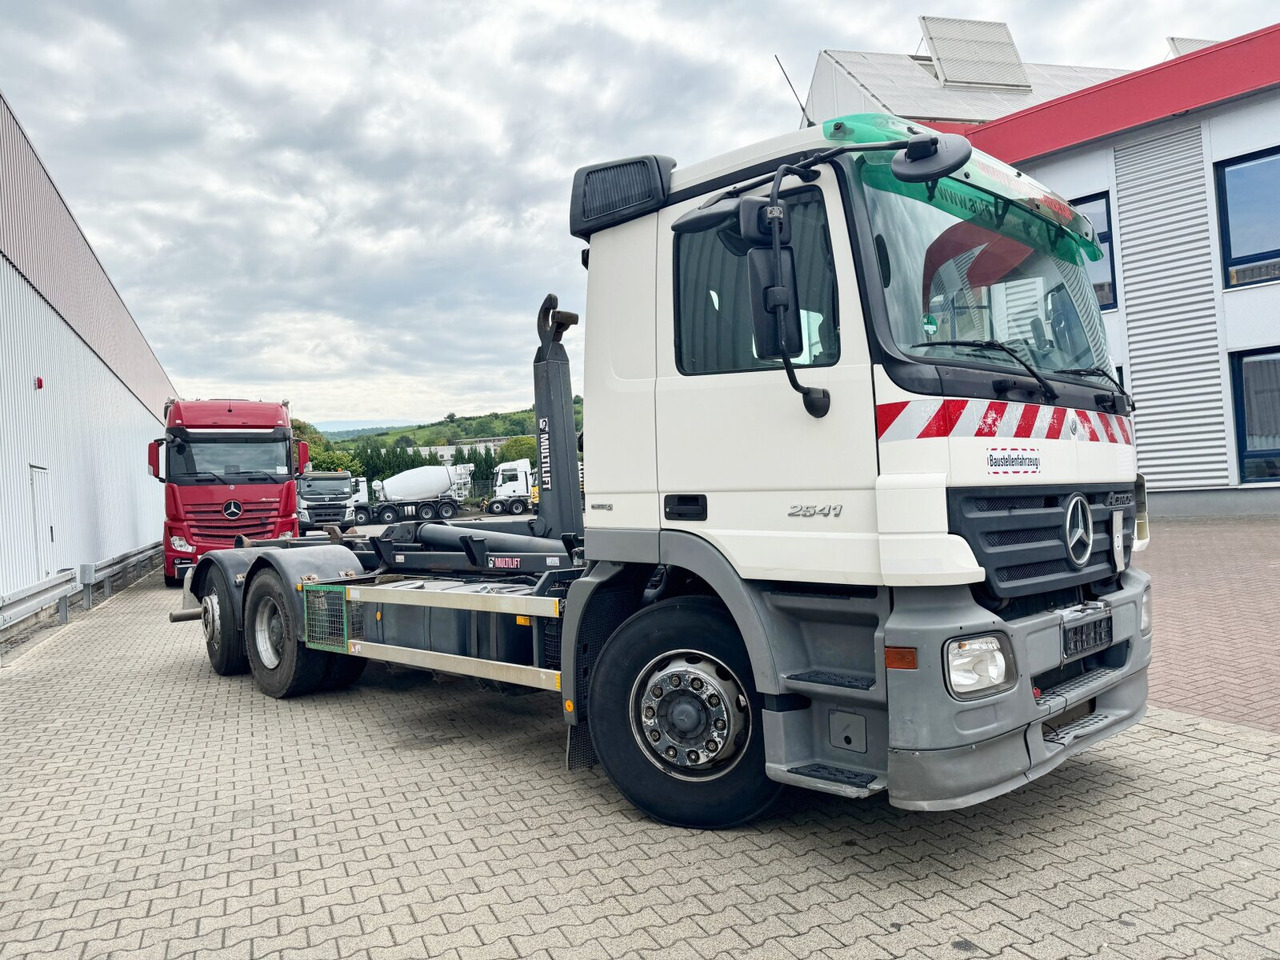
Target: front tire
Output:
[
  {"x": 282, "y": 666},
  {"x": 223, "y": 642},
  {"x": 675, "y": 717},
  {"x": 362, "y": 517},
  {"x": 172, "y": 582}
]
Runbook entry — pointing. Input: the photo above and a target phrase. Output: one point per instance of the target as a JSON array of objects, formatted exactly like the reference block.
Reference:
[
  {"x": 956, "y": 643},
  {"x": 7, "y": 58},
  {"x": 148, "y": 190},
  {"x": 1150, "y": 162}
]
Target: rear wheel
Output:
[
  {"x": 676, "y": 719},
  {"x": 517, "y": 507},
  {"x": 388, "y": 515},
  {"x": 448, "y": 510},
  {"x": 427, "y": 512},
  {"x": 223, "y": 642},
  {"x": 282, "y": 666}
]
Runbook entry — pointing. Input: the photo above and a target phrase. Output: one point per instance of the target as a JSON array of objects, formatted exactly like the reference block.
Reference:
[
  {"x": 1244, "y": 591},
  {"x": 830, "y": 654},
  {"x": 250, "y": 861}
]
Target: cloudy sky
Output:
[{"x": 359, "y": 206}]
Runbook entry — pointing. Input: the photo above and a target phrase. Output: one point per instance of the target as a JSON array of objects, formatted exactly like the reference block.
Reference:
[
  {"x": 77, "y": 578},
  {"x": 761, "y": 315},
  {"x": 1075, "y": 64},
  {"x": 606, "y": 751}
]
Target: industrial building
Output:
[
  {"x": 81, "y": 392},
  {"x": 1178, "y": 167}
]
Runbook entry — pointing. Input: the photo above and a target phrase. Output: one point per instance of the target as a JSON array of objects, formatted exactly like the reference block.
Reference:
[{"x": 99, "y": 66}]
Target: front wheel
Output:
[
  {"x": 362, "y": 516},
  {"x": 676, "y": 719},
  {"x": 282, "y": 666}
]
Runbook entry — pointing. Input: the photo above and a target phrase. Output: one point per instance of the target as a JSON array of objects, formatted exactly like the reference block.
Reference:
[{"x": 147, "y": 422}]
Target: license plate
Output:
[{"x": 1081, "y": 638}]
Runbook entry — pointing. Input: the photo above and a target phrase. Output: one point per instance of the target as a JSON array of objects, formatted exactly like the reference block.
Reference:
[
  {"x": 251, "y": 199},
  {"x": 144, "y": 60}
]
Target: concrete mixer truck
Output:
[{"x": 422, "y": 493}]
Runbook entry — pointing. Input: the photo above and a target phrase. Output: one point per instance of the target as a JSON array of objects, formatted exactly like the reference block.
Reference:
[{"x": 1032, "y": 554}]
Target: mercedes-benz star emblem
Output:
[
  {"x": 1078, "y": 530},
  {"x": 233, "y": 508}
]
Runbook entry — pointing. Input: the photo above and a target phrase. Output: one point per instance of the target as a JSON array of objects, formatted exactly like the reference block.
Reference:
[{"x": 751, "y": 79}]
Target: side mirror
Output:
[
  {"x": 931, "y": 156},
  {"x": 153, "y": 459},
  {"x": 304, "y": 456},
  {"x": 768, "y": 292}
]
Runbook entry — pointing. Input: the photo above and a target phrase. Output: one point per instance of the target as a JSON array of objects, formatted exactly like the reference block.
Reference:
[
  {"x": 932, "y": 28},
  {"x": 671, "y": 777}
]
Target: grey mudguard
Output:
[
  {"x": 330, "y": 562},
  {"x": 234, "y": 565}
]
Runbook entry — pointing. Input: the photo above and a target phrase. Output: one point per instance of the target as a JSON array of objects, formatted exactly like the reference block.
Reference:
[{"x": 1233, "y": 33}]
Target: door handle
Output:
[{"x": 685, "y": 506}]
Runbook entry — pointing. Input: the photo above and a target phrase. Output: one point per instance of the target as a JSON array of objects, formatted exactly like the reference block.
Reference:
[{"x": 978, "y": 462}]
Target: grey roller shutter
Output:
[{"x": 1167, "y": 251}]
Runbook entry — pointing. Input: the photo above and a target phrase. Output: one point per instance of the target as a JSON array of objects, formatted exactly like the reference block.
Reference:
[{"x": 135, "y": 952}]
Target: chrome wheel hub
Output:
[
  {"x": 690, "y": 714},
  {"x": 209, "y": 615},
  {"x": 268, "y": 634}
]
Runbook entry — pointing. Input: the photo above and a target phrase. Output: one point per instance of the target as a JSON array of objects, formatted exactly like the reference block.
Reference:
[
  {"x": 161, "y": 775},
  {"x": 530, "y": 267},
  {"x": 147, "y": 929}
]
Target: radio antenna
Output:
[{"x": 803, "y": 112}]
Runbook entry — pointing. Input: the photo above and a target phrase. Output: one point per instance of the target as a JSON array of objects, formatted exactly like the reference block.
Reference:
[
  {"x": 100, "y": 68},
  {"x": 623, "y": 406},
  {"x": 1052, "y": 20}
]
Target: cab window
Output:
[{"x": 713, "y": 312}]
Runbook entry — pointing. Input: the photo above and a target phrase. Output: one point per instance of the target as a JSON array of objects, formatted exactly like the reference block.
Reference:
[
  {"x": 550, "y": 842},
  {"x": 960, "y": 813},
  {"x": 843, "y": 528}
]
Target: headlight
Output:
[
  {"x": 180, "y": 544},
  {"x": 979, "y": 666},
  {"x": 1146, "y": 612},
  {"x": 304, "y": 515}
]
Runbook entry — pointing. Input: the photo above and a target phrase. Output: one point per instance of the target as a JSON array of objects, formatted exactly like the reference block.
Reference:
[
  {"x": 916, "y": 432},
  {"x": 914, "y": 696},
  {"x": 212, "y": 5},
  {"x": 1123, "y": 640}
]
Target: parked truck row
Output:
[{"x": 930, "y": 596}]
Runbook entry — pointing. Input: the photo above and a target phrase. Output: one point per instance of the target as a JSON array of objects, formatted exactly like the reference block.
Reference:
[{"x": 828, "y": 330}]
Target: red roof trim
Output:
[{"x": 1196, "y": 80}]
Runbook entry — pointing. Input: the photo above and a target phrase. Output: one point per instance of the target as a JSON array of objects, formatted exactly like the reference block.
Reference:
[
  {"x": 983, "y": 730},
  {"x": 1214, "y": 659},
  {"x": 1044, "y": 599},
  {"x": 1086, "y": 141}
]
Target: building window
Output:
[
  {"x": 1249, "y": 217},
  {"x": 1255, "y": 381},
  {"x": 1103, "y": 272},
  {"x": 713, "y": 309}
]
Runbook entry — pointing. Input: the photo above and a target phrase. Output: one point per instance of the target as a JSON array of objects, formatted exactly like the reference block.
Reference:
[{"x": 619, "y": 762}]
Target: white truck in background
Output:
[
  {"x": 422, "y": 493},
  {"x": 513, "y": 484},
  {"x": 325, "y": 498}
]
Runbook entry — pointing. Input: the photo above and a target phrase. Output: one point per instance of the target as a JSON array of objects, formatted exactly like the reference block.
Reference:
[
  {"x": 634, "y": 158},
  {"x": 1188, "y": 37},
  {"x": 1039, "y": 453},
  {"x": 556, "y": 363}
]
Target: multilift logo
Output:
[{"x": 544, "y": 452}]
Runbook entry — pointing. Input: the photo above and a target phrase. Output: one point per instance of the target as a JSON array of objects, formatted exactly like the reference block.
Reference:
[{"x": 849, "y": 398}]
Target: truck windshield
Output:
[
  {"x": 327, "y": 487},
  {"x": 959, "y": 265},
  {"x": 229, "y": 460}
]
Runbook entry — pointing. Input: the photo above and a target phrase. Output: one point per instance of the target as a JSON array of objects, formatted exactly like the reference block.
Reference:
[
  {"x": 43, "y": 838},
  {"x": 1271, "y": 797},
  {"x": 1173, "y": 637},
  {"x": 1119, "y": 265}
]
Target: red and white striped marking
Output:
[{"x": 921, "y": 419}]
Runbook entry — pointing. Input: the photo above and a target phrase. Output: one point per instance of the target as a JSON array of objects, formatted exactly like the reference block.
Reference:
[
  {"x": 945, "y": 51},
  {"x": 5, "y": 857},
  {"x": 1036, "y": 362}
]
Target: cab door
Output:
[{"x": 781, "y": 494}]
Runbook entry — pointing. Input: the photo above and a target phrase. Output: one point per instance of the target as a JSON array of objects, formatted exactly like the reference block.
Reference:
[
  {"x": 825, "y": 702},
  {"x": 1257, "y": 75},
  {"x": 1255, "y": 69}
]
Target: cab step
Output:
[{"x": 826, "y": 778}]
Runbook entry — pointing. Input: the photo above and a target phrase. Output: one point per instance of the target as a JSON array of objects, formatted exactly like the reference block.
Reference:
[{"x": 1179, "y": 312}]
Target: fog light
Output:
[
  {"x": 979, "y": 666},
  {"x": 1146, "y": 611},
  {"x": 180, "y": 544}
]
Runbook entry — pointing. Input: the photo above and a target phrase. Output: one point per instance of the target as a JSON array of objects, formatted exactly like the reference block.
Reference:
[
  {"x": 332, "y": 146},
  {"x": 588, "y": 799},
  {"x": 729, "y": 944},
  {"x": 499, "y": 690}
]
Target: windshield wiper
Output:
[
  {"x": 1046, "y": 387},
  {"x": 252, "y": 473},
  {"x": 198, "y": 476},
  {"x": 1099, "y": 372}
]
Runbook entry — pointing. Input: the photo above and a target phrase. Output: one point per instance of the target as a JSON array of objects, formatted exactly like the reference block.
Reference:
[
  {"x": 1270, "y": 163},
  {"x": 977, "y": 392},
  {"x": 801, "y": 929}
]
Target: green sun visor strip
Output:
[{"x": 984, "y": 191}]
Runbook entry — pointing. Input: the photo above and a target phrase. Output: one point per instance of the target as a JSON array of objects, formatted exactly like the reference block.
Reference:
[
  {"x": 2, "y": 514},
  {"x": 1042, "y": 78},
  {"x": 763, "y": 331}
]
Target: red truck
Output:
[{"x": 229, "y": 470}]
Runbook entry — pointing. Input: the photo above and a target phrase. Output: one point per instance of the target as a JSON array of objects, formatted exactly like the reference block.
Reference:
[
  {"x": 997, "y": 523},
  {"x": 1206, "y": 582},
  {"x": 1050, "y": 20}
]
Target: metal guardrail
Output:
[
  {"x": 31, "y": 600},
  {"x": 92, "y": 574},
  {"x": 58, "y": 589}
]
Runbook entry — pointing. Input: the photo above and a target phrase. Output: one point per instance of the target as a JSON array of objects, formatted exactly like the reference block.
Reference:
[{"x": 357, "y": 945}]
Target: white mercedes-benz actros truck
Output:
[{"x": 861, "y": 496}]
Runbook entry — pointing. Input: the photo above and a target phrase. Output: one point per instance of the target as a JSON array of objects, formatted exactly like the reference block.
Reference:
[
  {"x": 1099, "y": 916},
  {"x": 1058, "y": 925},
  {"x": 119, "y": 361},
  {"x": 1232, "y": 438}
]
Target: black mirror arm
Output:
[{"x": 817, "y": 401}]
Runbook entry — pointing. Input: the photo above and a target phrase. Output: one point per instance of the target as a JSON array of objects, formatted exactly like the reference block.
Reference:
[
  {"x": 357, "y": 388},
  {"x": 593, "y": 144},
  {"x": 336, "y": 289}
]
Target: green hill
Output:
[{"x": 452, "y": 429}]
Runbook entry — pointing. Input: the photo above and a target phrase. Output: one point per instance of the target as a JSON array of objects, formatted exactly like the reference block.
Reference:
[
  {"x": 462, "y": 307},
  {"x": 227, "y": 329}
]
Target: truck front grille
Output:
[
  {"x": 209, "y": 526},
  {"x": 1019, "y": 536}
]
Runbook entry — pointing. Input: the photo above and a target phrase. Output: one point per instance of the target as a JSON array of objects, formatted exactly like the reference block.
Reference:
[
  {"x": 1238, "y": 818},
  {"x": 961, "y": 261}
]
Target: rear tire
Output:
[
  {"x": 388, "y": 515},
  {"x": 659, "y": 750},
  {"x": 223, "y": 641},
  {"x": 447, "y": 511},
  {"x": 517, "y": 507},
  {"x": 282, "y": 666},
  {"x": 342, "y": 671},
  {"x": 427, "y": 512}
]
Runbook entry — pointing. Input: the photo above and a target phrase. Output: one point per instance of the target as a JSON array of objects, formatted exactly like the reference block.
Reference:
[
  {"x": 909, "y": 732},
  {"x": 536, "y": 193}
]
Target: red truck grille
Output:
[{"x": 207, "y": 523}]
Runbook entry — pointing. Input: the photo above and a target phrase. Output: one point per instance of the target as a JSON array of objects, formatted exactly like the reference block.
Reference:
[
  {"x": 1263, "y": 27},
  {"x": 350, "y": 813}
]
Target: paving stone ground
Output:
[{"x": 149, "y": 808}]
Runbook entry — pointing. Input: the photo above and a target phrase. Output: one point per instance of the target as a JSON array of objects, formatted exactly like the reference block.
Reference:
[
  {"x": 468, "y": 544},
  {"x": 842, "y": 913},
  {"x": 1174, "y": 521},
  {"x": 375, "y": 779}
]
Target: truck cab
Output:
[
  {"x": 228, "y": 467},
  {"x": 326, "y": 499}
]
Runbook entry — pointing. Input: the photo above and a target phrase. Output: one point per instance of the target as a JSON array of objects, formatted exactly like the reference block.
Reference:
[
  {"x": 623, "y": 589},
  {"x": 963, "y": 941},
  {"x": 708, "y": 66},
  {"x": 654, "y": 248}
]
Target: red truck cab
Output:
[{"x": 229, "y": 470}]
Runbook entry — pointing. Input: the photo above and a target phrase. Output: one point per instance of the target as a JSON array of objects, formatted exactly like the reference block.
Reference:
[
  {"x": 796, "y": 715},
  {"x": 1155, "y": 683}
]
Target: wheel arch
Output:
[{"x": 328, "y": 562}]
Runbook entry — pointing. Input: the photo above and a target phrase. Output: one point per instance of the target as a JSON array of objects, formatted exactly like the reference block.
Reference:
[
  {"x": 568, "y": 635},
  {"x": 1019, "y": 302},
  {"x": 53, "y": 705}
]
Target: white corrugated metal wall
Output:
[
  {"x": 85, "y": 431},
  {"x": 84, "y": 427},
  {"x": 1163, "y": 216}
]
